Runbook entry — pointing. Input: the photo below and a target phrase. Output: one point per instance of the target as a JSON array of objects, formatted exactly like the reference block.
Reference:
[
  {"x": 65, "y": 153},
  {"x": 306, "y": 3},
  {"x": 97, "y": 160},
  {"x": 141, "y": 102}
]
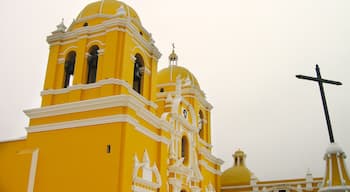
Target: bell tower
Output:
[{"x": 105, "y": 51}]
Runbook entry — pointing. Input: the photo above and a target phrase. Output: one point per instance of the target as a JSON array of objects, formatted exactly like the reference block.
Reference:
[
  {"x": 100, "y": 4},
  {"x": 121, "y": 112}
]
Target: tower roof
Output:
[{"x": 104, "y": 9}]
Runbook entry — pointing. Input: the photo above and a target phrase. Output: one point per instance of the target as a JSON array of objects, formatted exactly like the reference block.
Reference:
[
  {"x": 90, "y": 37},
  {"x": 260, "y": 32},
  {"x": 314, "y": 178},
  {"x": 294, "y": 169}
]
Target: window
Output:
[
  {"x": 201, "y": 124},
  {"x": 184, "y": 113},
  {"x": 138, "y": 68},
  {"x": 69, "y": 69},
  {"x": 184, "y": 149},
  {"x": 92, "y": 62}
]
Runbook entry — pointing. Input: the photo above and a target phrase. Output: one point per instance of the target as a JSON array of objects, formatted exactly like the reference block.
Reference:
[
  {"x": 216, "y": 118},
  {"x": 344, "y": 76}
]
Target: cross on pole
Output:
[{"x": 320, "y": 81}]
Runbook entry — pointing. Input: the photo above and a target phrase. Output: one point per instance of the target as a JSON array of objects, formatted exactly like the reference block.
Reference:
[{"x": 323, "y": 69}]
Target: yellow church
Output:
[{"x": 110, "y": 121}]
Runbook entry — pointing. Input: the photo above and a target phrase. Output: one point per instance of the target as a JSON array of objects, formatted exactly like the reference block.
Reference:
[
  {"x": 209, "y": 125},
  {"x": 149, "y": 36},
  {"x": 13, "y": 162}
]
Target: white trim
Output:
[
  {"x": 335, "y": 189},
  {"x": 67, "y": 50},
  {"x": 209, "y": 168},
  {"x": 100, "y": 29},
  {"x": 110, "y": 81},
  {"x": 98, "y": 121},
  {"x": 86, "y": 105},
  {"x": 186, "y": 93},
  {"x": 95, "y": 42},
  {"x": 206, "y": 153},
  {"x": 201, "y": 141},
  {"x": 100, "y": 103},
  {"x": 13, "y": 139},
  {"x": 32, "y": 172},
  {"x": 338, "y": 156},
  {"x": 273, "y": 184}
]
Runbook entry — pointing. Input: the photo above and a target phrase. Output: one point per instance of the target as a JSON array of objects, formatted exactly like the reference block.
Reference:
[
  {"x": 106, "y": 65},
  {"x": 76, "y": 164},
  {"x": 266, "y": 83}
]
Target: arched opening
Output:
[
  {"x": 185, "y": 149},
  {"x": 69, "y": 69},
  {"x": 92, "y": 62},
  {"x": 201, "y": 124},
  {"x": 138, "y": 72}
]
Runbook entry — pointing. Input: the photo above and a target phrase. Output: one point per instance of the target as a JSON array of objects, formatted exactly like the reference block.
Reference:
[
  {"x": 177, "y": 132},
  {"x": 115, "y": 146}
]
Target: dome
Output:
[
  {"x": 238, "y": 174},
  {"x": 104, "y": 9},
  {"x": 169, "y": 75}
]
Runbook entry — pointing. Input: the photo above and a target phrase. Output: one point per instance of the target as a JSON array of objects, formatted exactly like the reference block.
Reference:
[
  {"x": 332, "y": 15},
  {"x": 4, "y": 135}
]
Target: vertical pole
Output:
[{"x": 325, "y": 108}]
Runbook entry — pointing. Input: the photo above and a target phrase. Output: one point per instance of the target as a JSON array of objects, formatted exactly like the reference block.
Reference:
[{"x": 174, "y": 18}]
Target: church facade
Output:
[{"x": 109, "y": 120}]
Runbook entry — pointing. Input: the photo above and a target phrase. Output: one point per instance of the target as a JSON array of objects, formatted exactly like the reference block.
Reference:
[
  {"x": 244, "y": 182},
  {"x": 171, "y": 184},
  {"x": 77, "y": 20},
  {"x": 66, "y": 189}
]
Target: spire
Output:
[
  {"x": 336, "y": 177},
  {"x": 172, "y": 61}
]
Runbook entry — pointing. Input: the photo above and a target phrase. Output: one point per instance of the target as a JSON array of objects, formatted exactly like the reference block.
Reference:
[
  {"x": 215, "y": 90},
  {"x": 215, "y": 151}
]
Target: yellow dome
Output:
[
  {"x": 239, "y": 174},
  {"x": 169, "y": 75},
  {"x": 236, "y": 176},
  {"x": 104, "y": 9}
]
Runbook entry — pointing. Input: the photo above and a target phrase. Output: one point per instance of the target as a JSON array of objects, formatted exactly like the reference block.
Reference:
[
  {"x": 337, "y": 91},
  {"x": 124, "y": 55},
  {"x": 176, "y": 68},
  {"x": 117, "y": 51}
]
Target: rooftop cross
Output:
[{"x": 320, "y": 84}]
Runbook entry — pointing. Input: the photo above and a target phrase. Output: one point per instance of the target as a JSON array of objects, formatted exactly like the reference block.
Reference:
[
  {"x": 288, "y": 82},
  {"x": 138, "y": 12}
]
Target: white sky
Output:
[{"x": 245, "y": 54}]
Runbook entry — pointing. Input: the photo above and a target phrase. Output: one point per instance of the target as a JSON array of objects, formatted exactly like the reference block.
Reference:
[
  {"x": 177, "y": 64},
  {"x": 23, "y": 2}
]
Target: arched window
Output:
[
  {"x": 138, "y": 71},
  {"x": 69, "y": 69},
  {"x": 201, "y": 124},
  {"x": 185, "y": 149},
  {"x": 92, "y": 62}
]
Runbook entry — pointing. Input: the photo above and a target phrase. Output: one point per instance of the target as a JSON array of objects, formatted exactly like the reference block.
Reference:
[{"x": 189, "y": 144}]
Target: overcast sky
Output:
[{"x": 245, "y": 55}]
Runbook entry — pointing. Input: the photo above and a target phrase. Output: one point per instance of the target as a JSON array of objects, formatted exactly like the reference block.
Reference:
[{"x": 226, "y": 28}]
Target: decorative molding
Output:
[
  {"x": 86, "y": 105},
  {"x": 110, "y": 81},
  {"x": 210, "y": 188},
  {"x": 100, "y": 103},
  {"x": 209, "y": 168},
  {"x": 95, "y": 42},
  {"x": 111, "y": 24},
  {"x": 203, "y": 151},
  {"x": 98, "y": 121},
  {"x": 67, "y": 50},
  {"x": 201, "y": 141},
  {"x": 146, "y": 181},
  {"x": 186, "y": 93}
]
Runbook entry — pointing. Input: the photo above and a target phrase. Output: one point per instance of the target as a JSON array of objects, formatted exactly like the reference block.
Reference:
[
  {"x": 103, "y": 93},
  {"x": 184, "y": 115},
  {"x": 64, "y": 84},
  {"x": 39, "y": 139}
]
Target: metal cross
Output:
[{"x": 320, "y": 84}]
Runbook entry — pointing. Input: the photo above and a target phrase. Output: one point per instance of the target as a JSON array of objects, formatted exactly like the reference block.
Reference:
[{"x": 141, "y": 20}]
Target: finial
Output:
[
  {"x": 173, "y": 57},
  {"x": 61, "y": 27},
  {"x": 121, "y": 11}
]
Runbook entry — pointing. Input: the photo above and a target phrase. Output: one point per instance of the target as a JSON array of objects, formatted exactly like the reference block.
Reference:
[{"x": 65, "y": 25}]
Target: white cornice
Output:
[
  {"x": 210, "y": 169},
  {"x": 100, "y": 29},
  {"x": 203, "y": 151},
  {"x": 111, "y": 81},
  {"x": 98, "y": 121},
  {"x": 201, "y": 141},
  {"x": 100, "y": 103},
  {"x": 86, "y": 105}
]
